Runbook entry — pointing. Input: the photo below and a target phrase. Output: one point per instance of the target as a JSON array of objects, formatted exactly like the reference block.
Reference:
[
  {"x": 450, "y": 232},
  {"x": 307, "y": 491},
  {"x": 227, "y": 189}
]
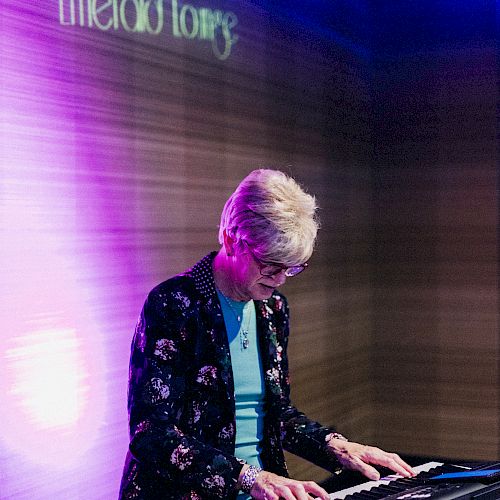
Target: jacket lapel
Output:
[
  {"x": 266, "y": 328},
  {"x": 213, "y": 320},
  {"x": 214, "y": 328}
]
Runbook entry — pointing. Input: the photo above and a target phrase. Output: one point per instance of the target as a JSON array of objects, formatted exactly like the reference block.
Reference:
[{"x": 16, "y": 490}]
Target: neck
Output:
[{"x": 223, "y": 269}]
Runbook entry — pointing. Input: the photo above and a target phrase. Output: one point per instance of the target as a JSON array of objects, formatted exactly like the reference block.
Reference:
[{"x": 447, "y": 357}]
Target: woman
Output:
[{"x": 209, "y": 403}]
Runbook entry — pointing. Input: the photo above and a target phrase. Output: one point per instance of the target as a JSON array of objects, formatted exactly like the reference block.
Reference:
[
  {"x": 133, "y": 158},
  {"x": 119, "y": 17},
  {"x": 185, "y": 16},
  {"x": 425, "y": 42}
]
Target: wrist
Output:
[
  {"x": 335, "y": 435},
  {"x": 248, "y": 476},
  {"x": 334, "y": 446}
]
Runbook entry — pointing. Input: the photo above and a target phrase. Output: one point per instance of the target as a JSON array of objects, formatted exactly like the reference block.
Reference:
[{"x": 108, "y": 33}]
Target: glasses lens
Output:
[{"x": 294, "y": 270}]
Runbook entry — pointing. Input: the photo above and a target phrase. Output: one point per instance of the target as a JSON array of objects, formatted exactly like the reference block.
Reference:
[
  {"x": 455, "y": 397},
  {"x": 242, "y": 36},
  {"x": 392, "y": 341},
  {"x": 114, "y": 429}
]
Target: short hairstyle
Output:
[{"x": 274, "y": 215}]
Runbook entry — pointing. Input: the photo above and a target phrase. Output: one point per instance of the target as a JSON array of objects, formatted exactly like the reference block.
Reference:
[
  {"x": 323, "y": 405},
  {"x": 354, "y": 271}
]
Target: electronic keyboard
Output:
[{"x": 396, "y": 487}]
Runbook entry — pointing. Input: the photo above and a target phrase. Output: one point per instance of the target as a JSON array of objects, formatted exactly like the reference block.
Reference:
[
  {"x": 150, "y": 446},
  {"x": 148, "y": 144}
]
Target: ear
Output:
[{"x": 228, "y": 243}]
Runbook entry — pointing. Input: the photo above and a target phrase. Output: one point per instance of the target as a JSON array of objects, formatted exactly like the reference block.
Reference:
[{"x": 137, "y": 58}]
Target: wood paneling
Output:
[
  {"x": 122, "y": 148},
  {"x": 119, "y": 150},
  {"x": 435, "y": 304}
]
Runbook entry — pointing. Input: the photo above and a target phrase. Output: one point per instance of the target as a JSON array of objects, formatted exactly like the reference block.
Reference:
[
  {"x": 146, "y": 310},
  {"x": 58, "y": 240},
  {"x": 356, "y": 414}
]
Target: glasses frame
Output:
[{"x": 290, "y": 271}]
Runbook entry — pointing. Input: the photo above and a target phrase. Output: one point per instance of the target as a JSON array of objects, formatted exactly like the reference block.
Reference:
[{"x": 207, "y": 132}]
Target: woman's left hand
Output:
[{"x": 357, "y": 457}]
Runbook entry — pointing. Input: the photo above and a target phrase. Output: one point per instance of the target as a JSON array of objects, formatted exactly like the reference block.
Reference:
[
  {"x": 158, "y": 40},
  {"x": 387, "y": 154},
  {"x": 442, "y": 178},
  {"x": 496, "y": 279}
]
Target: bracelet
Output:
[
  {"x": 248, "y": 479},
  {"x": 335, "y": 435}
]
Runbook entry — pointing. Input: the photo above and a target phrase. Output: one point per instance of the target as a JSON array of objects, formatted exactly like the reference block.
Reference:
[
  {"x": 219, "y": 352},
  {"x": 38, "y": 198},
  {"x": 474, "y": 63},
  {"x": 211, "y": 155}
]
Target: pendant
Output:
[{"x": 244, "y": 341}]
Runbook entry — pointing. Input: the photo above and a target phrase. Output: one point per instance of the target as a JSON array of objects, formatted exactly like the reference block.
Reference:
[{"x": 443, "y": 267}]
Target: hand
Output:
[
  {"x": 357, "y": 456},
  {"x": 269, "y": 486}
]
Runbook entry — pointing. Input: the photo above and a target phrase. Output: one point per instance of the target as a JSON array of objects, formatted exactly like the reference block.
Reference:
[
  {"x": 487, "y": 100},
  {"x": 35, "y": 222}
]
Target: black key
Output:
[
  {"x": 365, "y": 495},
  {"x": 387, "y": 490}
]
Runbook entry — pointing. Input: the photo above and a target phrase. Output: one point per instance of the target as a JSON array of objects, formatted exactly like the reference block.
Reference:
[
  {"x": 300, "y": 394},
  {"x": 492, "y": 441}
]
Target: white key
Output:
[{"x": 339, "y": 495}]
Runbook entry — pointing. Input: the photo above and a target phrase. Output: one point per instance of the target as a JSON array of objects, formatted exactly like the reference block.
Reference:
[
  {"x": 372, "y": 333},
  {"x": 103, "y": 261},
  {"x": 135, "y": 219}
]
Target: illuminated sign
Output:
[{"x": 147, "y": 16}]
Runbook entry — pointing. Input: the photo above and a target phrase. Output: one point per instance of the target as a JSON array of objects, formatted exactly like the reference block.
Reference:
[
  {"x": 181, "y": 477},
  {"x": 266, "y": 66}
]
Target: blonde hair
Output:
[{"x": 274, "y": 215}]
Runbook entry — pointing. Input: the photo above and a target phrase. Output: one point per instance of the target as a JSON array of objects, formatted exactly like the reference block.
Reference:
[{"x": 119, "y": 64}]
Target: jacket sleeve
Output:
[
  {"x": 301, "y": 436},
  {"x": 157, "y": 402}
]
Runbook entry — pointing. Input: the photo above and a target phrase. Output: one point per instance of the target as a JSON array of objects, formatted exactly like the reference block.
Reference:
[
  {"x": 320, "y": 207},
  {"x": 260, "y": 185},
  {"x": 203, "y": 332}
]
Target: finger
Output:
[
  {"x": 403, "y": 464},
  {"x": 365, "y": 469},
  {"x": 285, "y": 493},
  {"x": 268, "y": 495},
  {"x": 401, "y": 467},
  {"x": 390, "y": 461},
  {"x": 299, "y": 489},
  {"x": 316, "y": 489},
  {"x": 393, "y": 465}
]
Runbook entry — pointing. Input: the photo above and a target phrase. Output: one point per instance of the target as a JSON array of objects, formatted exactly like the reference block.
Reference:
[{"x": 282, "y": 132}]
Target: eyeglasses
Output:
[{"x": 270, "y": 269}]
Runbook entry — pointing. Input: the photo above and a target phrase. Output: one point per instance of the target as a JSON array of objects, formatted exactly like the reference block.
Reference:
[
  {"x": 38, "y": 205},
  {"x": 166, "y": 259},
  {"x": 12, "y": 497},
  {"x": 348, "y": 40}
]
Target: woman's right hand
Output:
[{"x": 269, "y": 486}]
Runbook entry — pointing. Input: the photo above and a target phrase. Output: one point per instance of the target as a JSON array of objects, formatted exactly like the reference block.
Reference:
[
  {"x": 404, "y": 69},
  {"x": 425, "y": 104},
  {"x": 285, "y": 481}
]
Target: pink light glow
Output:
[
  {"x": 52, "y": 368},
  {"x": 48, "y": 377},
  {"x": 53, "y": 361}
]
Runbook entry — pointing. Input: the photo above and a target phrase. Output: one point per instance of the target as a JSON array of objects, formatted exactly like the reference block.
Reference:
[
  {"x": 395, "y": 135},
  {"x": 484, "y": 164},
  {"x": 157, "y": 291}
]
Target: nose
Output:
[{"x": 280, "y": 278}]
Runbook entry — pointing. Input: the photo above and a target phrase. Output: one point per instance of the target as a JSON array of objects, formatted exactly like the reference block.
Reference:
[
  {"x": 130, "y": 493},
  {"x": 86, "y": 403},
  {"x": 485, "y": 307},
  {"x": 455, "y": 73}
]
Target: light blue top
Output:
[{"x": 248, "y": 378}]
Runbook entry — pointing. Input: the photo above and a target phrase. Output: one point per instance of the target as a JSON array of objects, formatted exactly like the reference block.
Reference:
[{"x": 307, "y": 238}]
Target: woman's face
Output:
[{"x": 248, "y": 282}]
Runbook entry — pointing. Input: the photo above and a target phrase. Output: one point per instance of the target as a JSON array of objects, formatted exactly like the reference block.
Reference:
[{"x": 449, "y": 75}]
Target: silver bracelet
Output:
[{"x": 249, "y": 477}]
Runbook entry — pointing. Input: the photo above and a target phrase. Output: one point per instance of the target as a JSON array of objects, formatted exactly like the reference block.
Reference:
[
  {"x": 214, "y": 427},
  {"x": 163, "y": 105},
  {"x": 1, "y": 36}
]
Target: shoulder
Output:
[
  {"x": 180, "y": 297},
  {"x": 180, "y": 283},
  {"x": 176, "y": 295}
]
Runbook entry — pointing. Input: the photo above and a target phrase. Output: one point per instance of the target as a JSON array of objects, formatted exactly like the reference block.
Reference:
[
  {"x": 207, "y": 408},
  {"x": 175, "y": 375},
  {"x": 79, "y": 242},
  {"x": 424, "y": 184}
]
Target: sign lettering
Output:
[{"x": 147, "y": 16}]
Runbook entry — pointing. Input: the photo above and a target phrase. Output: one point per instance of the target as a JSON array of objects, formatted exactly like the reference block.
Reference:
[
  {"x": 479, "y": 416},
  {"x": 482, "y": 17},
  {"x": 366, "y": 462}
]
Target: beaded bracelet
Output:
[{"x": 249, "y": 477}]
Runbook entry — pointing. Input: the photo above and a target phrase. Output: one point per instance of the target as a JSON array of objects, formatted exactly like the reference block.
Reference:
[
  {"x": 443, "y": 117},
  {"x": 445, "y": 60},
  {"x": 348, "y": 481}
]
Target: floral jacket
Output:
[{"x": 181, "y": 395}]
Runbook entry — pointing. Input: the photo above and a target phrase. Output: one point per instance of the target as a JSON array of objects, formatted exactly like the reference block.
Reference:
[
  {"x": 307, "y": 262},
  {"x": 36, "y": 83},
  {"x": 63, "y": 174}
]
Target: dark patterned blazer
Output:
[{"x": 181, "y": 395}]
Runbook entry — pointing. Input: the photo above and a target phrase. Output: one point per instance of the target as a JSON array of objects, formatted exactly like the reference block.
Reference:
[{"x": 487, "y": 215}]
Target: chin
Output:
[{"x": 263, "y": 292}]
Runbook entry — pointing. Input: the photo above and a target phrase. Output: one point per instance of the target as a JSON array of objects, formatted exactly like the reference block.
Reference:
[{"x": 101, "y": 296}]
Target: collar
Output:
[{"x": 204, "y": 277}]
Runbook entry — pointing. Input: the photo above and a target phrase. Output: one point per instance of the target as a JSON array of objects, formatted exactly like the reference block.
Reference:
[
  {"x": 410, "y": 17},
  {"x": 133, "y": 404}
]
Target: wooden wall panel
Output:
[
  {"x": 435, "y": 306},
  {"x": 331, "y": 318},
  {"x": 118, "y": 152}
]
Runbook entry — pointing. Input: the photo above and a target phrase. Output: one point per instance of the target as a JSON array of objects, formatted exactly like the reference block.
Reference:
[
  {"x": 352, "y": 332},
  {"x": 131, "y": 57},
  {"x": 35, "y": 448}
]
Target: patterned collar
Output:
[{"x": 203, "y": 276}]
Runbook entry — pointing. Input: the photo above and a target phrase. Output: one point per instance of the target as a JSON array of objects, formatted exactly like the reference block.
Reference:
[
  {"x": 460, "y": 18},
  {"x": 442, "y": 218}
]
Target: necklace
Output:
[{"x": 244, "y": 341}]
